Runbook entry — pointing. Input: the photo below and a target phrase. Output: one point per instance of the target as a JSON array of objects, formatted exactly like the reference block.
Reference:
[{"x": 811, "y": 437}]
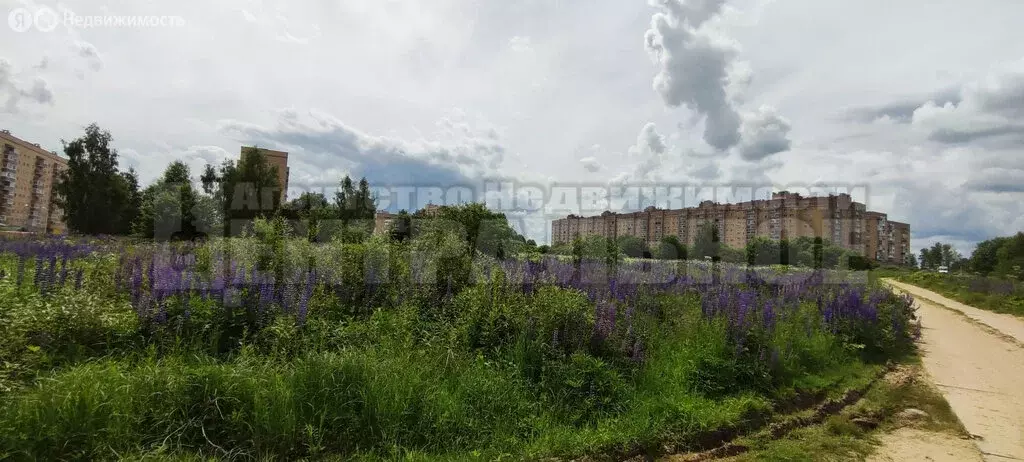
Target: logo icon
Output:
[
  {"x": 20, "y": 19},
  {"x": 46, "y": 19}
]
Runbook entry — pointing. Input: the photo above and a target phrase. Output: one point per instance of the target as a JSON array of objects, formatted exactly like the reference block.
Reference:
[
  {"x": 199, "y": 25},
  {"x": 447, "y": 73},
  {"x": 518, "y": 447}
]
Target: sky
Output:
[{"x": 919, "y": 105}]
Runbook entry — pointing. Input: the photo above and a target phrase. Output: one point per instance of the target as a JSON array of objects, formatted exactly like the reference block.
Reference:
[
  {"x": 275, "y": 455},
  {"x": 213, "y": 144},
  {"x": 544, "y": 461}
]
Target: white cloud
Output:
[
  {"x": 13, "y": 91},
  {"x": 694, "y": 64},
  {"x": 519, "y": 44},
  {"x": 763, "y": 133},
  {"x": 582, "y": 78}
]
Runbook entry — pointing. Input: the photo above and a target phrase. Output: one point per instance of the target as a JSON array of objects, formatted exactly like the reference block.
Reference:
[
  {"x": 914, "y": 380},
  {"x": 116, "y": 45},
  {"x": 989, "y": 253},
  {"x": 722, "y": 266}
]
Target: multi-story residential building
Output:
[
  {"x": 277, "y": 159},
  {"x": 382, "y": 219},
  {"x": 835, "y": 218},
  {"x": 28, "y": 174}
]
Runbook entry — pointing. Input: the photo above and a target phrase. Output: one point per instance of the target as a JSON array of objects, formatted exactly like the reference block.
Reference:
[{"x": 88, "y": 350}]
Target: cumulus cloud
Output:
[
  {"x": 935, "y": 208},
  {"x": 988, "y": 110},
  {"x": 14, "y": 92},
  {"x": 648, "y": 152},
  {"x": 327, "y": 147},
  {"x": 655, "y": 160},
  {"x": 899, "y": 111},
  {"x": 996, "y": 180},
  {"x": 699, "y": 68},
  {"x": 694, "y": 64},
  {"x": 591, "y": 164},
  {"x": 91, "y": 55},
  {"x": 519, "y": 44},
  {"x": 764, "y": 133}
]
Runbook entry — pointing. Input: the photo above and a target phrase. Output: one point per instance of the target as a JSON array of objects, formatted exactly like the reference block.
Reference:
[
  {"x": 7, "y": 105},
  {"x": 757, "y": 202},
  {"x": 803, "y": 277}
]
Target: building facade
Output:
[
  {"x": 28, "y": 175},
  {"x": 278, "y": 160},
  {"x": 835, "y": 218}
]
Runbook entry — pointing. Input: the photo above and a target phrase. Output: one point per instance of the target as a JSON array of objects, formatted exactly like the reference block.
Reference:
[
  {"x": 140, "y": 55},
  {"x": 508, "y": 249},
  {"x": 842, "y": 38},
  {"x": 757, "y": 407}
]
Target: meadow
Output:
[
  {"x": 267, "y": 346},
  {"x": 1001, "y": 295}
]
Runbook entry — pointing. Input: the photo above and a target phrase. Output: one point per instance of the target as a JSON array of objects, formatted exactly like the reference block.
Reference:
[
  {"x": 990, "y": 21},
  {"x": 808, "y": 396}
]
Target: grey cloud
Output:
[
  {"x": 591, "y": 164},
  {"x": 1010, "y": 133},
  {"x": 649, "y": 150},
  {"x": 989, "y": 110},
  {"x": 934, "y": 209},
  {"x": 764, "y": 133},
  {"x": 996, "y": 180},
  {"x": 694, "y": 66},
  {"x": 91, "y": 54},
  {"x": 39, "y": 92},
  {"x": 322, "y": 143},
  {"x": 654, "y": 160},
  {"x": 900, "y": 111},
  {"x": 706, "y": 170}
]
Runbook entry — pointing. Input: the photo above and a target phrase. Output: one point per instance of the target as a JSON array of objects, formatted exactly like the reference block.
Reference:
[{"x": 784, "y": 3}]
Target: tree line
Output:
[
  {"x": 1000, "y": 257},
  {"x": 98, "y": 198},
  {"x": 802, "y": 251}
]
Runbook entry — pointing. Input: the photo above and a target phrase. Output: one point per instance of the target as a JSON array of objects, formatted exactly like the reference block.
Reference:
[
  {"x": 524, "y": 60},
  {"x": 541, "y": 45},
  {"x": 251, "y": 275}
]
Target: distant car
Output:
[{"x": 943, "y": 269}]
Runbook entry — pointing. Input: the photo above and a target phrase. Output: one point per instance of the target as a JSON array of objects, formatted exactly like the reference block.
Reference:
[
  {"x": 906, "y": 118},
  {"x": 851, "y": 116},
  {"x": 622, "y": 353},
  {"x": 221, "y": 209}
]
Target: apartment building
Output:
[
  {"x": 277, "y": 159},
  {"x": 835, "y": 218},
  {"x": 28, "y": 174},
  {"x": 382, "y": 219},
  {"x": 886, "y": 241}
]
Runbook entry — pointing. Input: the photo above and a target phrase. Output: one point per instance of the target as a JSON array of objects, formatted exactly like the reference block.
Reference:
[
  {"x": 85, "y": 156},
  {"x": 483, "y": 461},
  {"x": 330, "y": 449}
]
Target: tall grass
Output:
[{"x": 252, "y": 348}]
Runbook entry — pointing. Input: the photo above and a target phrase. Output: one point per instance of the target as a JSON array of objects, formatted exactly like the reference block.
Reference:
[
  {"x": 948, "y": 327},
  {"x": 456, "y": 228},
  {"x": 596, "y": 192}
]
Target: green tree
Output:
[
  {"x": 168, "y": 206},
  {"x": 1011, "y": 257},
  {"x": 312, "y": 208},
  {"x": 482, "y": 229},
  {"x": 910, "y": 260},
  {"x": 669, "y": 248},
  {"x": 355, "y": 207},
  {"x": 818, "y": 252},
  {"x": 401, "y": 227},
  {"x": 94, "y": 196},
  {"x": 630, "y": 246},
  {"x": 762, "y": 251},
  {"x": 707, "y": 242},
  {"x": 985, "y": 257}
]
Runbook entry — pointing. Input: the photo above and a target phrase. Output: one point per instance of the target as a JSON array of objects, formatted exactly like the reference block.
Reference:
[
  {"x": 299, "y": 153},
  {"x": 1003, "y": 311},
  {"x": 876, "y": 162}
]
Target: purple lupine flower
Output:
[
  {"x": 768, "y": 315},
  {"x": 20, "y": 272},
  {"x": 63, "y": 271},
  {"x": 37, "y": 280}
]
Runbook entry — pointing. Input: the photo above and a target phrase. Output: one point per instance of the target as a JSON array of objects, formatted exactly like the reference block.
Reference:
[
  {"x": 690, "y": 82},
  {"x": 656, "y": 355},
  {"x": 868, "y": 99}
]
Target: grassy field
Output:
[
  {"x": 999, "y": 295},
  {"x": 278, "y": 348},
  {"x": 853, "y": 433}
]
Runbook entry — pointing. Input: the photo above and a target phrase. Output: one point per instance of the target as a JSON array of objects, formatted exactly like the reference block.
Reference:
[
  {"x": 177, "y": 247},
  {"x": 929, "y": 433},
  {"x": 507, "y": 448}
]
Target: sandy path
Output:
[
  {"x": 1007, "y": 324},
  {"x": 908, "y": 444},
  {"x": 980, "y": 373}
]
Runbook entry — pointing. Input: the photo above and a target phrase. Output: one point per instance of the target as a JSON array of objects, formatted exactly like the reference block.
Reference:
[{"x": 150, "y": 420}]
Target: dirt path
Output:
[
  {"x": 976, "y": 359},
  {"x": 908, "y": 444}
]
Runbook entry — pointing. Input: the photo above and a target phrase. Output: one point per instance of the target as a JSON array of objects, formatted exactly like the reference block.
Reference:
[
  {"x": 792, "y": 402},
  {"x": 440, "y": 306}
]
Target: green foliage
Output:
[
  {"x": 389, "y": 363},
  {"x": 94, "y": 196},
  {"x": 708, "y": 242},
  {"x": 669, "y": 248},
  {"x": 987, "y": 293},
  {"x": 312, "y": 210},
  {"x": 247, "y": 189},
  {"x": 170, "y": 208},
  {"x": 630, "y": 246},
  {"x": 355, "y": 208}
]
